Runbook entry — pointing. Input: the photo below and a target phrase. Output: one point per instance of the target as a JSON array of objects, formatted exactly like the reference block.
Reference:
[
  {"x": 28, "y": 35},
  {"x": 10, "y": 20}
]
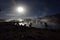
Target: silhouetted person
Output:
[
  {"x": 21, "y": 25},
  {"x": 25, "y": 25},
  {"x": 45, "y": 25},
  {"x": 30, "y": 25},
  {"x": 17, "y": 23}
]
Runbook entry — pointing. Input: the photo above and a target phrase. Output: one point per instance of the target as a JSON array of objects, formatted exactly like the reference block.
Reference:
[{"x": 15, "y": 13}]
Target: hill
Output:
[{"x": 52, "y": 18}]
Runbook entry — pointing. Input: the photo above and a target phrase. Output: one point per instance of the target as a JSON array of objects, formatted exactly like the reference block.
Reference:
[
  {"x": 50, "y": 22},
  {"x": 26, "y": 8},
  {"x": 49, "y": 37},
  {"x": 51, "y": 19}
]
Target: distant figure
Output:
[
  {"x": 45, "y": 25},
  {"x": 17, "y": 23},
  {"x": 30, "y": 25},
  {"x": 25, "y": 25}
]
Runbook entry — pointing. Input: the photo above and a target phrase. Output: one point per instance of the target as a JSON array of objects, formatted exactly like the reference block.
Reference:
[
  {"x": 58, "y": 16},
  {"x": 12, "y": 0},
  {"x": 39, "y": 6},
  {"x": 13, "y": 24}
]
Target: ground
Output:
[{"x": 16, "y": 32}]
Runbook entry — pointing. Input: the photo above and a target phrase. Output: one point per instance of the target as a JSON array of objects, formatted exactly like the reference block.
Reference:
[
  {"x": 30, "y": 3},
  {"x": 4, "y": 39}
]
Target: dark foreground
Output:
[{"x": 15, "y": 32}]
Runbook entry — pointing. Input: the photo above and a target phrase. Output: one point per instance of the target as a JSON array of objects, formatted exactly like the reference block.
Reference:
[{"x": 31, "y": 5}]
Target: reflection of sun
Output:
[
  {"x": 20, "y": 20},
  {"x": 21, "y": 24}
]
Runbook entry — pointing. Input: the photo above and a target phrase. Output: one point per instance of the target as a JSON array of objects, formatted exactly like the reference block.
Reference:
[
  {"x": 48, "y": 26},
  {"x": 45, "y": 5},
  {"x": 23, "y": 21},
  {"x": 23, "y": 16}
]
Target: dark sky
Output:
[{"x": 34, "y": 7}]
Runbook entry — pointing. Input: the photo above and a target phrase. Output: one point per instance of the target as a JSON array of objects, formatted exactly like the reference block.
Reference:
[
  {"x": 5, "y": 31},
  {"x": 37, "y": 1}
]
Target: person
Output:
[
  {"x": 45, "y": 25},
  {"x": 17, "y": 23},
  {"x": 24, "y": 25},
  {"x": 30, "y": 25}
]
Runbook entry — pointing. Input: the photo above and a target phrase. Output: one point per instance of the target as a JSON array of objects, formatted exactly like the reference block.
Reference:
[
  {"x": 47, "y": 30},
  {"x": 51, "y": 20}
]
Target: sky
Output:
[{"x": 34, "y": 8}]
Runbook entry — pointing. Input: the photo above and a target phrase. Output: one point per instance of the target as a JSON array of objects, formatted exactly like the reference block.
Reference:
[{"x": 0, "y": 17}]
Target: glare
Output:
[
  {"x": 20, "y": 20},
  {"x": 20, "y": 9},
  {"x": 21, "y": 24}
]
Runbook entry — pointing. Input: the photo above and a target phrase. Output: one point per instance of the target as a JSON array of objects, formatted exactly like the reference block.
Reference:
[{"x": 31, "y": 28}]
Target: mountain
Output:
[{"x": 52, "y": 18}]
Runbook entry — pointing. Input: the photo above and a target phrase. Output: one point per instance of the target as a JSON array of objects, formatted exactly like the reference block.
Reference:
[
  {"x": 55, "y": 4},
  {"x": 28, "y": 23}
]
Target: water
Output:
[{"x": 39, "y": 25}]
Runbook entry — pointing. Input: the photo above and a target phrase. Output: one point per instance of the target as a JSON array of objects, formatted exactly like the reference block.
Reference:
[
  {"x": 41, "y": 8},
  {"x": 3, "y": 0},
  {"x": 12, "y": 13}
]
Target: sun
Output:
[{"x": 20, "y": 9}]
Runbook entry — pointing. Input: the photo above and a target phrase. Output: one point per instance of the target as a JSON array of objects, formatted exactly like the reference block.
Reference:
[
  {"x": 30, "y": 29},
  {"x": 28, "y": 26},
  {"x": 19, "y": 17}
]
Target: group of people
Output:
[{"x": 30, "y": 24}]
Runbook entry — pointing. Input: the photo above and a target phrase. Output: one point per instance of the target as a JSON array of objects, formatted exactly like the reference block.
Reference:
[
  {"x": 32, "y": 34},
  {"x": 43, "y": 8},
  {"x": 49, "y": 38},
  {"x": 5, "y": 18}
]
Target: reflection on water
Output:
[
  {"x": 27, "y": 24},
  {"x": 21, "y": 24}
]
